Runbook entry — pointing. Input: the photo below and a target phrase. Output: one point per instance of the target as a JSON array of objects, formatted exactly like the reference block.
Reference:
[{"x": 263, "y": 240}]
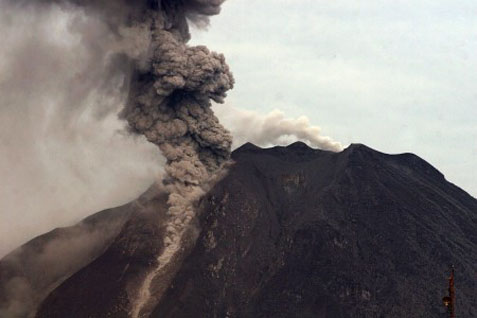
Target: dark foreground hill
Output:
[{"x": 290, "y": 232}]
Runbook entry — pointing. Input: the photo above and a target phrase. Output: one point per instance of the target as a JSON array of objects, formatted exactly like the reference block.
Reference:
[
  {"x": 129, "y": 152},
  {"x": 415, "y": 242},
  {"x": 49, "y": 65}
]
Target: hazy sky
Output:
[
  {"x": 395, "y": 75},
  {"x": 398, "y": 76}
]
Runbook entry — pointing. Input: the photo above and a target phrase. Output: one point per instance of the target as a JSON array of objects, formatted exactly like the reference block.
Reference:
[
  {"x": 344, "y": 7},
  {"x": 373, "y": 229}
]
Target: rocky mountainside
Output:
[
  {"x": 296, "y": 232},
  {"x": 291, "y": 232},
  {"x": 31, "y": 272}
]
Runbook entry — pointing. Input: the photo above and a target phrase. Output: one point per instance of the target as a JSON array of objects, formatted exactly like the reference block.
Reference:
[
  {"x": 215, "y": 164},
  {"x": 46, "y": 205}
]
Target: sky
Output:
[{"x": 397, "y": 76}]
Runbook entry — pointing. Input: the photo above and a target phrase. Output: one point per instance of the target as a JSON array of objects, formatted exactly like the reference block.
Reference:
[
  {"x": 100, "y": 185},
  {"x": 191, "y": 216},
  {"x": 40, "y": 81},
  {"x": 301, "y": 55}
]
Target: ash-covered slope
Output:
[
  {"x": 29, "y": 273},
  {"x": 297, "y": 232}
]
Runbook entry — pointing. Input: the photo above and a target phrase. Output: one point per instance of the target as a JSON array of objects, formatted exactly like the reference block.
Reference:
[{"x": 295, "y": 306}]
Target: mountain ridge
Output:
[{"x": 298, "y": 232}]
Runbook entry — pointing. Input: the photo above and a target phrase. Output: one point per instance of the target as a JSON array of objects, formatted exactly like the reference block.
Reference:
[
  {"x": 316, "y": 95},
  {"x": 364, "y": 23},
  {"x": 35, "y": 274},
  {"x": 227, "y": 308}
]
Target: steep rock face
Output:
[{"x": 297, "y": 232}]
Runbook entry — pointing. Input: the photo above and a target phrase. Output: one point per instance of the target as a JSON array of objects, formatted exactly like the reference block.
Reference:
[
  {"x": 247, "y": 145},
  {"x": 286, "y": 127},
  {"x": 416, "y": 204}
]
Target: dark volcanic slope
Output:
[
  {"x": 33, "y": 270},
  {"x": 297, "y": 232},
  {"x": 106, "y": 287},
  {"x": 30, "y": 272}
]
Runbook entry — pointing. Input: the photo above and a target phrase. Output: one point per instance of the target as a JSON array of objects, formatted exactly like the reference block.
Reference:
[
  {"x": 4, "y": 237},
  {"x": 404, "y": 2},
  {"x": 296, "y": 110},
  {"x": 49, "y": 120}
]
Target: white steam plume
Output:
[{"x": 273, "y": 128}]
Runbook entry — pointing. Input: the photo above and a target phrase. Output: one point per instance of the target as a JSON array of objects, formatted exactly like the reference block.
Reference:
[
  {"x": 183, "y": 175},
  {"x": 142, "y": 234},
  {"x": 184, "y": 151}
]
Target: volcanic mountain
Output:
[{"x": 288, "y": 232}]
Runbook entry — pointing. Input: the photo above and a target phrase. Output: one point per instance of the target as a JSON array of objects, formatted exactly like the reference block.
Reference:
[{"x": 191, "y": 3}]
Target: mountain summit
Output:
[{"x": 288, "y": 232}]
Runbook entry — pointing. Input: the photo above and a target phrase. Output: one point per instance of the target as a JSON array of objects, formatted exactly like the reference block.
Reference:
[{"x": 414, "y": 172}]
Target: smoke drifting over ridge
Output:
[{"x": 273, "y": 128}]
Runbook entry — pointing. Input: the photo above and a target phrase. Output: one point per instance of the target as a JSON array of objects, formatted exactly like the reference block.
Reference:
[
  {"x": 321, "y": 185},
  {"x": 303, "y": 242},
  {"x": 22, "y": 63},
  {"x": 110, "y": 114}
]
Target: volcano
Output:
[{"x": 287, "y": 232}]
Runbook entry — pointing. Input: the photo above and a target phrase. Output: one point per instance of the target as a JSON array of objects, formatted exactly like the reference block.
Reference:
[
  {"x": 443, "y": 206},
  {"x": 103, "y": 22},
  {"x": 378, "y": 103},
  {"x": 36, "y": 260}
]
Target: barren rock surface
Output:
[{"x": 295, "y": 232}]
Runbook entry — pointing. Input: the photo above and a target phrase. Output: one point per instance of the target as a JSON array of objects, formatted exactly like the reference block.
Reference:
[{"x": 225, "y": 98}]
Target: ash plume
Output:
[
  {"x": 170, "y": 104},
  {"x": 170, "y": 87}
]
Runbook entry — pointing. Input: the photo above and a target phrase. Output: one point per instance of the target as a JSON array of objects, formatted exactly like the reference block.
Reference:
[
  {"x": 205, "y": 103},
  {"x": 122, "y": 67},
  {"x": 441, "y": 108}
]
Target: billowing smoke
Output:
[
  {"x": 273, "y": 128},
  {"x": 169, "y": 88},
  {"x": 64, "y": 153},
  {"x": 170, "y": 104}
]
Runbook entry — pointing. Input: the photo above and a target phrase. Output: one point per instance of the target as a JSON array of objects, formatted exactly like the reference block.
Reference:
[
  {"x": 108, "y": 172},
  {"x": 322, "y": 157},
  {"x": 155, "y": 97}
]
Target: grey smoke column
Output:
[
  {"x": 170, "y": 99},
  {"x": 169, "y": 102},
  {"x": 171, "y": 88}
]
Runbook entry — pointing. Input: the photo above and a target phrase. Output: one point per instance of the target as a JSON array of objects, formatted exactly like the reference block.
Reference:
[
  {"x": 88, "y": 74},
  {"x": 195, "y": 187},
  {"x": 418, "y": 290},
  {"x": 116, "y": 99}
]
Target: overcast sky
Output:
[{"x": 398, "y": 76}]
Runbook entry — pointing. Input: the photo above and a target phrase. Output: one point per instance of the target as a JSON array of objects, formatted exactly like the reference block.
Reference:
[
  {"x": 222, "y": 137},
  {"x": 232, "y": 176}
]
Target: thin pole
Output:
[
  {"x": 452, "y": 293},
  {"x": 449, "y": 300}
]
